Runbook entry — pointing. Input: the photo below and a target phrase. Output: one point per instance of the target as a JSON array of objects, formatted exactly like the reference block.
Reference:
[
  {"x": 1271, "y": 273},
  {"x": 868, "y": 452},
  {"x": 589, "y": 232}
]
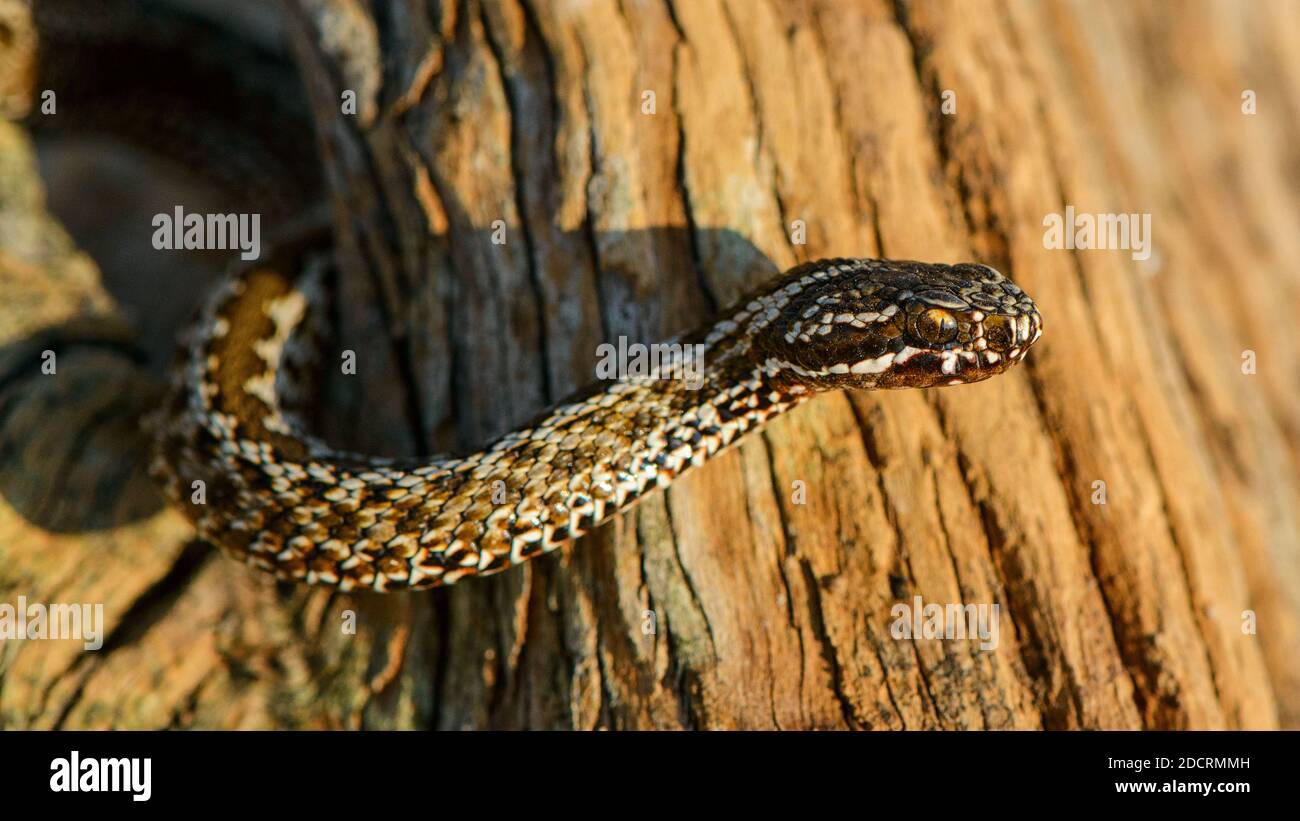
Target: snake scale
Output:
[{"x": 286, "y": 502}]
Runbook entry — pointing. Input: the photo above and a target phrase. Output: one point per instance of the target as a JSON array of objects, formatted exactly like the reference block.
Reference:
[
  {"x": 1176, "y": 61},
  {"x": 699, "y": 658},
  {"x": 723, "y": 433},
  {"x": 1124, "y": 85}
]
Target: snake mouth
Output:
[{"x": 916, "y": 368}]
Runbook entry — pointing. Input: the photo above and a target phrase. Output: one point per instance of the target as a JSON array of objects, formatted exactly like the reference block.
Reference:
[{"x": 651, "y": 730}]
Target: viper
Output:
[
  {"x": 286, "y": 502},
  {"x": 233, "y": 450}
]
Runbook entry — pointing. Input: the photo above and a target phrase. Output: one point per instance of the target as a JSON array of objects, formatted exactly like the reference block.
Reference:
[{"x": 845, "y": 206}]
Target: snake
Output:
[
  {"x": 286, "y": 502},
  {"x": 233, "y": 450}
]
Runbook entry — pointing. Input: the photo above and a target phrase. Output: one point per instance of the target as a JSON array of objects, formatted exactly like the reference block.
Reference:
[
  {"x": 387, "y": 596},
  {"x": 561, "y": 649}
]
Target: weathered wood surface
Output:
[{"x": 767, "y": 612}]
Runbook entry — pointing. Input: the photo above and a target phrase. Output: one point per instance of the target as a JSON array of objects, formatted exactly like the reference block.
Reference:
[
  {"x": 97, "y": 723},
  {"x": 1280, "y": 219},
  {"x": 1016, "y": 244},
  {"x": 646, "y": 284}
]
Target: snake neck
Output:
[{"x": 231, "y": 453}]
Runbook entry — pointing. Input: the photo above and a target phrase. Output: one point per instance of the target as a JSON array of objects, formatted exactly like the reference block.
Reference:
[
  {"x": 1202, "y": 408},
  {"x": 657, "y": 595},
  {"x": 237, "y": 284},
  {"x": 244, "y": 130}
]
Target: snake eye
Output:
[
  {"x": 935, "y": 326},
  {"x": 999, "y": 332}
]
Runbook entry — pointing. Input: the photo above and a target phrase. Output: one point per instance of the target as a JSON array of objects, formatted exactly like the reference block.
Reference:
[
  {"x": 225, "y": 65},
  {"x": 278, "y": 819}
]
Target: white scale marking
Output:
[{"x": 876, "y": 365}]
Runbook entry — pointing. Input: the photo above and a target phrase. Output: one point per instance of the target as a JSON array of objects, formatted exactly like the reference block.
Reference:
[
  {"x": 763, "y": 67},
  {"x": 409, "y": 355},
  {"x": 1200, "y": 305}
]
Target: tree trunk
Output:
[{"x": 522, "y": 181}]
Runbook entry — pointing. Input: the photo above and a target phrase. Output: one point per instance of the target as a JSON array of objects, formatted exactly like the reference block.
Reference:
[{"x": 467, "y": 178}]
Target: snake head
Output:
[{"x": 860, "y": 323}]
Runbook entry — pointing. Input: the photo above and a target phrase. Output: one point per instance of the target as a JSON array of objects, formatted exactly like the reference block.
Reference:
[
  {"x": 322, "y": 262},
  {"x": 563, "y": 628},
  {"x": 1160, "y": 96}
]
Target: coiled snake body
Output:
[{"x": 286, "y": 502}]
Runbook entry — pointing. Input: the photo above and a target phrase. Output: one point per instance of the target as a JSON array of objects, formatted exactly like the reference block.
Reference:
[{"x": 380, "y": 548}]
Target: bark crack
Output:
[
  {"x": 872, "y": 451},
  {"x": 518, "y": 175},
  {"x": 150, "y": 607},
  {"x": 680, "y": 171}
]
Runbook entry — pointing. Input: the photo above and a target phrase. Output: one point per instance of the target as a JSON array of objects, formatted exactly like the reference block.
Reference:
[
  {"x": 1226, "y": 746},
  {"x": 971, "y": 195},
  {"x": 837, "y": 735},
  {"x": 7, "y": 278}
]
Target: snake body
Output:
[{"x": 285, "y": 502}]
